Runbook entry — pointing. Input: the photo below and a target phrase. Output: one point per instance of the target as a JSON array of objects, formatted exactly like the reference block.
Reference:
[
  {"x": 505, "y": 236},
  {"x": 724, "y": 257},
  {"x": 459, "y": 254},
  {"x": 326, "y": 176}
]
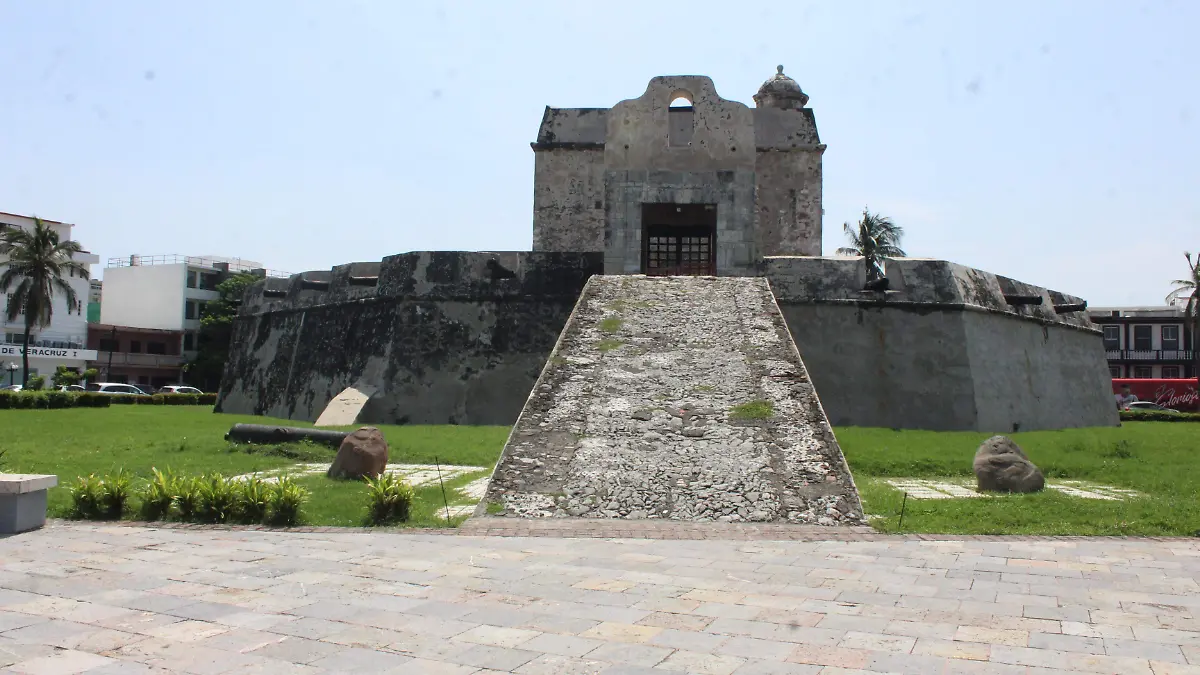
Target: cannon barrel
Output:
[{"x": 266, "y": 433}]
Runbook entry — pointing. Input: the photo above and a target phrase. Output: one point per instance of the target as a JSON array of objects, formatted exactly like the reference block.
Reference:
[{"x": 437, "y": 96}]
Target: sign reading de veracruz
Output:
[{"x": 49, "y": 352}]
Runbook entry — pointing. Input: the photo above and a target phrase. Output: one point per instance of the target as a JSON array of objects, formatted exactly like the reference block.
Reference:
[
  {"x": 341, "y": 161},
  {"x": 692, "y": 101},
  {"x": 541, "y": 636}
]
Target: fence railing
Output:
[
  {"x": 150, "y": 360},
  {"x": 234, "y": 264},
  {"x": 1149, "y": 354}
]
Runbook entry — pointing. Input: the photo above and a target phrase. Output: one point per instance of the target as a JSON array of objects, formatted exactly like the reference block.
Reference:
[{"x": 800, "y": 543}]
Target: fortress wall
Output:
[
  {"x": 946, "y": 350},
  {"x": 443, "y": 336}
]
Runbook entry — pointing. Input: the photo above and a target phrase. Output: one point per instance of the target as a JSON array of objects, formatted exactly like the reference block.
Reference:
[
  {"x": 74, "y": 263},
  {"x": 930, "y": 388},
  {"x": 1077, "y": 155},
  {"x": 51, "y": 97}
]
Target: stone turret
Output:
[{"x": 780, "y": 91}]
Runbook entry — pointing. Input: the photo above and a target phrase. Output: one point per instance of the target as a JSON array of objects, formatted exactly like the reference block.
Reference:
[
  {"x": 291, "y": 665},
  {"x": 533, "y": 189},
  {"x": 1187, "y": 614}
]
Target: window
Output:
[
  {"x": 189, "y": 342},
  {"x": 189, "y": 310},
  {"x": 109, "y": 345},
  {"x": 208, "y": 282},
  {"x": 192, "y": 279},
  {"x": 1112, "y": 338},
  {"x": 681, "y": 120},
  {"x": 8, "y": 301},
  {"x": 1143, "y": 372},
  {"x": 1141, "y": 338},
  {"x": 1114, "y": 371},
  {"x": 1170, "y": 372},
  {"x": 1170, "y": 337},
  {"x": 156, "y": 348},
  {"x": 135, "y": 347}
]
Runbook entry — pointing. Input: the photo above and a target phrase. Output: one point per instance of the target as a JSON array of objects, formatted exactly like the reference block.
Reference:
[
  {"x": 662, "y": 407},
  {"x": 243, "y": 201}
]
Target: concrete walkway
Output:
[{"x": 133, "y": 599}]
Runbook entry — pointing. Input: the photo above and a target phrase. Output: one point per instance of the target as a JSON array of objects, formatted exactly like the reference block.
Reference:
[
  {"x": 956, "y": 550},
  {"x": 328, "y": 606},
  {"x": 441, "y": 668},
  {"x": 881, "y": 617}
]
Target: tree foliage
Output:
[
  {"x": 64, "y": 377},
  {"x": 1187, "y": 290},
  {"x": 873, "y": 234},
  {"x": 216, "y": 329},
  {"x": 38, "y": 267}
]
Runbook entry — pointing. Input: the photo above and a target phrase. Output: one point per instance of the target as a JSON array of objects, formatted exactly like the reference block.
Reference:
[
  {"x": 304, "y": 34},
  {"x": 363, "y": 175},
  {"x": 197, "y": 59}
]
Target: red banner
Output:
[{"x": 1174, "y": 394}]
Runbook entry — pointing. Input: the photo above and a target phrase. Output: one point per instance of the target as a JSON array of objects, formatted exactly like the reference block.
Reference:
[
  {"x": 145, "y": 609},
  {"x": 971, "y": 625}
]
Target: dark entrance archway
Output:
[{"x": 679, "y": 239}]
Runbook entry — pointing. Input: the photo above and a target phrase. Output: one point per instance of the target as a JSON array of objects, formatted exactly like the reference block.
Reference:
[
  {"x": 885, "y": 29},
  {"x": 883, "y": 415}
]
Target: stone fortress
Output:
[{"x": 670, "y": 241}]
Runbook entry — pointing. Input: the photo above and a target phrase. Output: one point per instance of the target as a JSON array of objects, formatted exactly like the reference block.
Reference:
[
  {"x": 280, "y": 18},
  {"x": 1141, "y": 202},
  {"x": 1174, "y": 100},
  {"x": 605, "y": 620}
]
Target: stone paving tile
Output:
[{"x": 314, "y": 600}]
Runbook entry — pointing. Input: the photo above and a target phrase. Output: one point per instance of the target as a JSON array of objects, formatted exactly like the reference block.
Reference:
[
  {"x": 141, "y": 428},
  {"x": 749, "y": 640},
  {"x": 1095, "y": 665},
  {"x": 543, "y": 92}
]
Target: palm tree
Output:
[
  {"x": 1188, "y": 290},
  {"x": 37, "y": 264},
  {"x": 874, "y": 234}
]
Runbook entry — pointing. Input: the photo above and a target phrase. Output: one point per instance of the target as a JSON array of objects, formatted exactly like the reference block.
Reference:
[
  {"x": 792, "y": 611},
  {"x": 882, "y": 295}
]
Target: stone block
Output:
[{"x": 23, "y": 501}]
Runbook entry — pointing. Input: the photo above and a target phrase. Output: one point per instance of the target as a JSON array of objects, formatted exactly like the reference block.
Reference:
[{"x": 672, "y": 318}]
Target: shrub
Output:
[
  {"x": 391, "y": 499},
  {"x": 158, "y": 495},
  {"x": 59, "y": 399},
  {"x": 91, "y": 400},
  {"x": 114, "y": 495},
  {"x": 217, "y": 499},
  {"x": 1158, "y": 416},
  {"x": 285, "y": 501},
  {"x": 36, "y": 382},
  {"x": 254, "y": 498},
  {"x": 86, "y": 495},
  {"x": 187, "y": 497},
  {"x": 206, "y": 399}
]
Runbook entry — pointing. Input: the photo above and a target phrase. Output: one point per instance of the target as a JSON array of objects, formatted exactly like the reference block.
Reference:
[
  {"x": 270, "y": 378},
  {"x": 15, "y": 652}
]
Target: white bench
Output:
[{"x": 23, "y": 501}]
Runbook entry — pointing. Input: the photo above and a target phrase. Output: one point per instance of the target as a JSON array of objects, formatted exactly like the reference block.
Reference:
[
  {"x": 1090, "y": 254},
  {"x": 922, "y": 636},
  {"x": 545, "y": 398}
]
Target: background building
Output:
[
  {"x": 148, "y": 357},
  {"x": 1146, "y": 342},
  {"x": 64, "y": 341},
  {"x": 166, "y": 293}
]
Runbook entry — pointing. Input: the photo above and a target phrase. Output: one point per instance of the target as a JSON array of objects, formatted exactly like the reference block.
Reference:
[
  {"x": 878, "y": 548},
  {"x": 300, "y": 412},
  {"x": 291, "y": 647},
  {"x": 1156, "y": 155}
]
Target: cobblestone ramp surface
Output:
[{"x": 681, "y": 398}]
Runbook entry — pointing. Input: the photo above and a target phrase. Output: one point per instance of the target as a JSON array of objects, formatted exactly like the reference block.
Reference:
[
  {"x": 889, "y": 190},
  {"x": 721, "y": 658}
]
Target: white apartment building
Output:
[
  {"x": 167, "y": 292},
  {"x": 64, "y": 341}
]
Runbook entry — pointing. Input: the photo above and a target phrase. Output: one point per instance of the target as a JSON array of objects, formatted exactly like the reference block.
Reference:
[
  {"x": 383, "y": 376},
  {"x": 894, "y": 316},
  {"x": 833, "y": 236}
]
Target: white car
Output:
[
  {"x": 179, "y": 389},
  {"x": 115, "y": 388}
]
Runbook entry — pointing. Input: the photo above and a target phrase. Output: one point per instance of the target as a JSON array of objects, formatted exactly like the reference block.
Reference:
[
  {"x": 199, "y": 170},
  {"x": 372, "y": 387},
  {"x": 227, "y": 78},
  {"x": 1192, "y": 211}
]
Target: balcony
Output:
[
  {"x": 1148, "y": 354},
  {"x": 140, "y": 360}
]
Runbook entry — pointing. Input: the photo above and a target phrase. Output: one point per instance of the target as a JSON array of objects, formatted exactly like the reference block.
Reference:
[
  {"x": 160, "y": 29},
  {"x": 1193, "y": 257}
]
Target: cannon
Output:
[{"x": 265, "y": 434}]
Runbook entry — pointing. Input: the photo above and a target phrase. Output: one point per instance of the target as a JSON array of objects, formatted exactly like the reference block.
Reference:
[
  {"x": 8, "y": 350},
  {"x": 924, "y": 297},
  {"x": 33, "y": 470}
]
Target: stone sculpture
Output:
[
  {"x": 1001, "y": 466},
  {"x": 363, "y": 453}
]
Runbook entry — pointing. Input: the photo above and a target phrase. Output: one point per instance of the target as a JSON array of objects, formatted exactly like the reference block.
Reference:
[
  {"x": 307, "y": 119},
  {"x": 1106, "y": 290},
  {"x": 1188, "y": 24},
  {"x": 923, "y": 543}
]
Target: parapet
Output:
[
  {"x": 430, "y": 275},
  {"x": 920, "y": 284}
]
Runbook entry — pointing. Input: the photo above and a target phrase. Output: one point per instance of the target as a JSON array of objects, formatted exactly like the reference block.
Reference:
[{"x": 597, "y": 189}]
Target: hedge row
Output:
[
  {"x": 1158, "y": 416},
  {"x": 27, "y": 400},
  {"x": 166, "y": 399}
]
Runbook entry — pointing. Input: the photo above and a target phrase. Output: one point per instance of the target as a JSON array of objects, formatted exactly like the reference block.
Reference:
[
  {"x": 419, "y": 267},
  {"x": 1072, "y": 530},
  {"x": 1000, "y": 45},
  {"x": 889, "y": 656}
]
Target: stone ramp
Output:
[{"x": 674, "y": 397}]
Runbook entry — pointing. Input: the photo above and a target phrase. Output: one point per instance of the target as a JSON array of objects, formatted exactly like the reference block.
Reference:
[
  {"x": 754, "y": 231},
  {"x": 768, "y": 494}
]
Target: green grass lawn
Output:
[
  {"x": 1160, "y": 460},
  {"x": 190, "y": 439}
]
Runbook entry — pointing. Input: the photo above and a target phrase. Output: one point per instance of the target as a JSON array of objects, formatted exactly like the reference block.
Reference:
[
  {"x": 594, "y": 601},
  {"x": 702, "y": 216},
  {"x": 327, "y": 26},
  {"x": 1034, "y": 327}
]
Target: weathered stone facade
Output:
[
  {"x": 757, "y": 169},
  {"x": 440, "y": 337},
  {"x": 947, "y": 348}
]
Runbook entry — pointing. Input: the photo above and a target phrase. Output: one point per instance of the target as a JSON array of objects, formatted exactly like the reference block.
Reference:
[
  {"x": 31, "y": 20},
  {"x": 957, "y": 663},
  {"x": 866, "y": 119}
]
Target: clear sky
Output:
[{"x": 1054, "y": 142}]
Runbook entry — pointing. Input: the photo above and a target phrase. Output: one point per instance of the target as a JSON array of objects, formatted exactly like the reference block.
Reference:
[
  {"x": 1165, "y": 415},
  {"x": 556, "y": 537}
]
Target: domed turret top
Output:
[{"x": 780, "y": 91}]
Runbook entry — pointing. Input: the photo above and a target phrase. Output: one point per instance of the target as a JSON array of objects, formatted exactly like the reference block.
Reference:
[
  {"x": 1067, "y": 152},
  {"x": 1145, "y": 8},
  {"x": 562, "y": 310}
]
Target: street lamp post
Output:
[{"x": 12, "y": 372}]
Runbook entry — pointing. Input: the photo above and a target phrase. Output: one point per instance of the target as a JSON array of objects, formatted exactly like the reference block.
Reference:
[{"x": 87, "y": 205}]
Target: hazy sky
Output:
[{"x": 1054, "y": 142}]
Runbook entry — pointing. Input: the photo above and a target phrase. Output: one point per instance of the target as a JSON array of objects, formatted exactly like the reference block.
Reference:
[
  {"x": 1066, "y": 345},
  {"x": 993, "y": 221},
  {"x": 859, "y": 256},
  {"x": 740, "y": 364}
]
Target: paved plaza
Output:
[{"x": 133, "y": 599}]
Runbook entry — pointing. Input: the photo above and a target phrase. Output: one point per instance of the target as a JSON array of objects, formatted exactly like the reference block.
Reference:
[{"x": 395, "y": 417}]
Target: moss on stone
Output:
[
  {"x": 612, "y": 324},
  {"x": 607, "y": 345},
  {"x": 760, "y": 409}
]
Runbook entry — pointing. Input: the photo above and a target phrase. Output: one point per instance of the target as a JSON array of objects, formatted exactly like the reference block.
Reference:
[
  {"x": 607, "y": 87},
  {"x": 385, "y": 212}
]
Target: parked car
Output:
[
  {"x": 1147, "y": 405},
  {"x": 178, "y": 389},
  {"x": 115, "y": 388},
  {"x": 13, "y": 387},
  {"x": 71, "y": 387}
]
